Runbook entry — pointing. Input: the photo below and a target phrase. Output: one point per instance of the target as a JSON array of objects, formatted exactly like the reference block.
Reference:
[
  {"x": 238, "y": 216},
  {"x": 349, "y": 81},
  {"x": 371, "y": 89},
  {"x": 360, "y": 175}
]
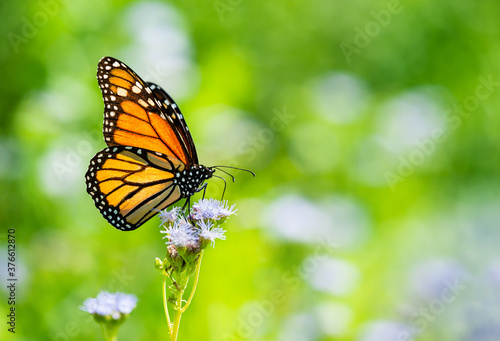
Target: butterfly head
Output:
[{"x": 190, "y": 179}]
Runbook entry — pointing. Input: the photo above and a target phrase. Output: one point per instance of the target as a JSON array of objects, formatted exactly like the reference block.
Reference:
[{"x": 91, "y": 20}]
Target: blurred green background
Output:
[{"x": 373, "y": 129}]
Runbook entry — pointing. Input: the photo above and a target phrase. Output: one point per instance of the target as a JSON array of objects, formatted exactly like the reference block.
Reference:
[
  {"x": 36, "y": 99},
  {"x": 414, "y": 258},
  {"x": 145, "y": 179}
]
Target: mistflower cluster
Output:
[
  {"x": 111, "y": 305},
  {"x": 199, "y": 227},
  {"x": 187, "y": 236},
  {"x": 110, "y": 310}
]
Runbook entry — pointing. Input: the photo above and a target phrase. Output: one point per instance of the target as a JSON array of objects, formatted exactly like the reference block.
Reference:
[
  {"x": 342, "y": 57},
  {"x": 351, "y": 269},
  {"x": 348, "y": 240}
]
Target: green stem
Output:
[
  {"x": 165, "y": 306},
  {"x": 198, "y": 267},
  {"x": 104, "y": 331},
  {"x": 178, "y": 287},
  {"x": 177, "y": 318},
  {"x": 110, "y": 334}
]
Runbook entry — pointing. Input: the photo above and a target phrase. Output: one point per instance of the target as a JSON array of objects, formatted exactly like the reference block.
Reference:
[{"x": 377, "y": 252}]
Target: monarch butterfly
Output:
[{"x": 151, "y": 161}]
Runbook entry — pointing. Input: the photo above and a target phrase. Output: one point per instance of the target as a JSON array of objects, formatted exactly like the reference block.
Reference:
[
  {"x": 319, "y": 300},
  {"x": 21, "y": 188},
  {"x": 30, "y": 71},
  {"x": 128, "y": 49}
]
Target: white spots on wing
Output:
[
  {"x": 113, "y": 98},
  {"x": 150, "y": 101},
  {"x": 174, "y": 106},
  {"x": 108, "y": 67},
  {"x": 139, "y": 85},
  {"x": 148, "y": 90},
  {"x": 105, "y": 76},
  {"x": 136, "y": 89},
  {"x": 141, "y": 102},
  {"x": 116, "y": 64},
  {"x": 121, "y": 92},
  {"x": 112, "y": 113}
]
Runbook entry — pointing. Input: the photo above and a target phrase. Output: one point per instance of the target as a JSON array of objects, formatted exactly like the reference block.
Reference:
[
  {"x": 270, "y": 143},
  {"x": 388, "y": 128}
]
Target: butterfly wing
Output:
[
  {"x": 134, "y": 116},
  {"x": 130, "y": 185},
  {"x": 175, "y": 118}
]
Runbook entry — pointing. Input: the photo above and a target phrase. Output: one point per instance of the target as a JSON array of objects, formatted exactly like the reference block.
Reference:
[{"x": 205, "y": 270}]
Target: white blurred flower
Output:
[
  {"x": 110, "y": 304},
  {"x": 385, "y": 331}
]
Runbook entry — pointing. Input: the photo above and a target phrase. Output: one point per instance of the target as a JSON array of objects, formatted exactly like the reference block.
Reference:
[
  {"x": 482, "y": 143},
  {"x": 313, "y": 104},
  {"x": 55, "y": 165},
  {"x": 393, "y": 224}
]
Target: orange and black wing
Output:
[
  {"x": 175, "y": 118},
  {"x": 134, "y": 116},
  {"x": 130, "y": 185}
]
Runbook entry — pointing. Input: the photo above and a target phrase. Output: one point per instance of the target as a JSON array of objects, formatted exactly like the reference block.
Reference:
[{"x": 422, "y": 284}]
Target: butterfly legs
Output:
[
  {"x": 188, "y": 204},
  {"x": 188, "y": 201},
  {"x": 204, "y": 188}
]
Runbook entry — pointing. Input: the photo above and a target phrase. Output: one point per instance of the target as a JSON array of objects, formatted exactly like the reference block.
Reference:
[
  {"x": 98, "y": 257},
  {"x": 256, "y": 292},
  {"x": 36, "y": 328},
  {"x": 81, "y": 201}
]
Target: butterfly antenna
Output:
[
  {"x": 223, "y": 171},
  {"x": 241, "y": 169},
  {"x": 225, "y": 184}
]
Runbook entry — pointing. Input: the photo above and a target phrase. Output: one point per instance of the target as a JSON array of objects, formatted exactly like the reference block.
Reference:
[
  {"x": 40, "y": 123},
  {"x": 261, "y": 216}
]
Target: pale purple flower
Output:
[
  {"x": 167, "y": 216},
  {"x": 225, "y": 211},
  {"x": 91, "y": 306},
  {"x": 199, "y": 227},
  {"x": 110, "y": 304},
  {"x": 181, "y": 233},
  {"x": 211, "y": 209},
  {"x": 125, "y": 303},
  {"x": 209, "y": 232}
]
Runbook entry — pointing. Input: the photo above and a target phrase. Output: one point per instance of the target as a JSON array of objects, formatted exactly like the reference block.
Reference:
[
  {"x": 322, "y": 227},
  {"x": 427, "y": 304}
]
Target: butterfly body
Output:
[
  {"x": 190, "y": 179},
  {"x": 150, "y": 162}
]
